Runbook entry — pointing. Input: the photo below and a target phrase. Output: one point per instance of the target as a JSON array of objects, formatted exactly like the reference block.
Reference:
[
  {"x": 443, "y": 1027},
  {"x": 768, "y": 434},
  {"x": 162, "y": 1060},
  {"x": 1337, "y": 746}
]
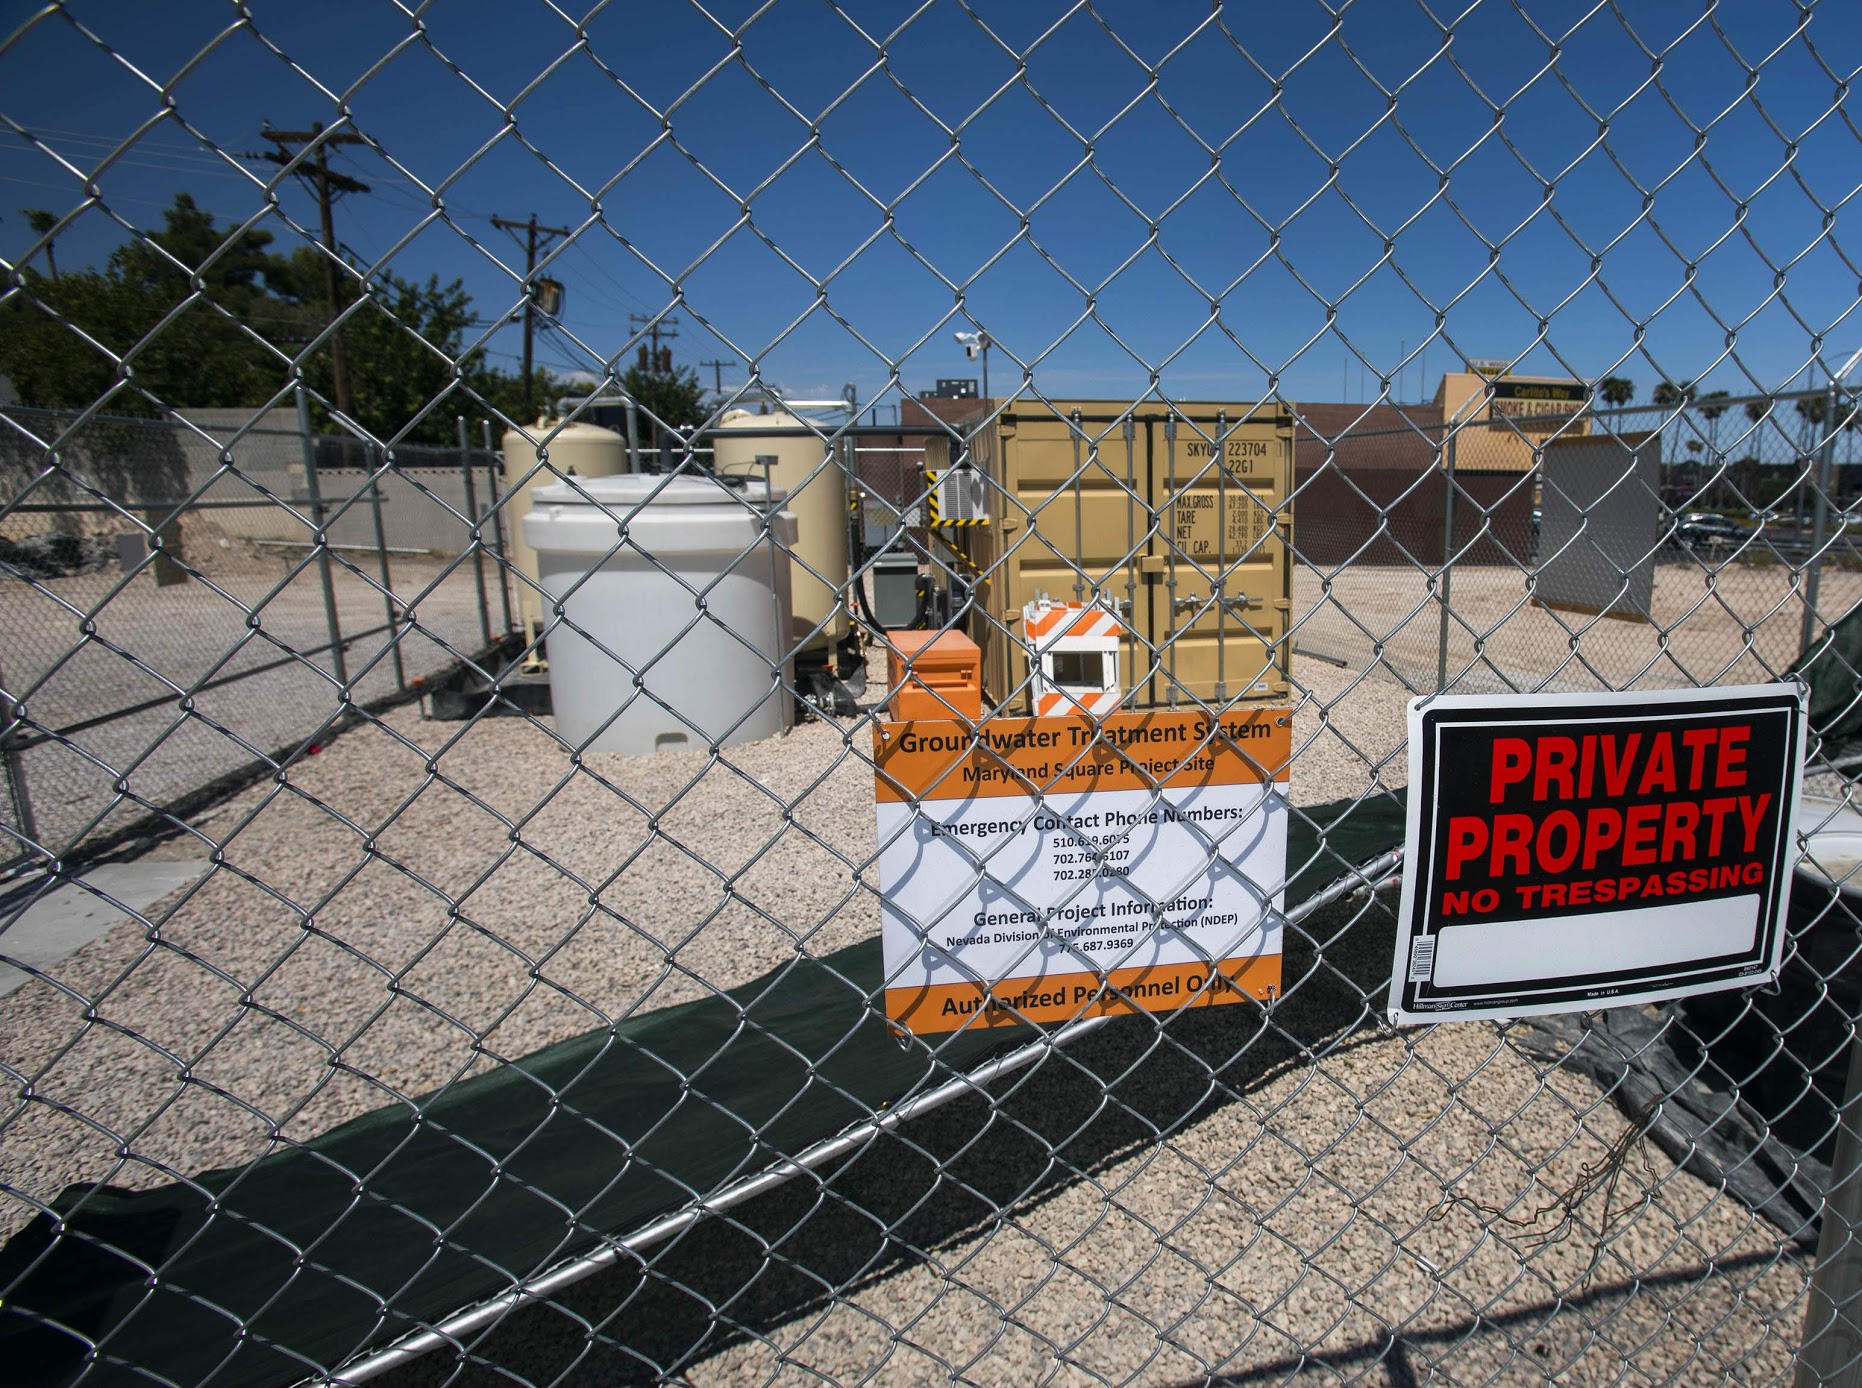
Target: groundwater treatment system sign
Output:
[
  {"x": 1568, "y": 852},
  {"x": 1045, "y": 869}
]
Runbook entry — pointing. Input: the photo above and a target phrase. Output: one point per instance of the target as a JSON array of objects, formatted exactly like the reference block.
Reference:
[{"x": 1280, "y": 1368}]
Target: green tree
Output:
[
  {"x": 44, "y": 349},
  {"x": 674, "y": 397},
  {"x": 1670, "y": 394},
  {"x": 41, "y": 223},
  {"x": 400, "y": 344},
  {"x": 216, "y": 349},
  {"x": 499, "y": 395},
  {"x": 182, "y": 343},
  {"x": 205, "y": 315},
  {"x": 1617, "y": 391}
]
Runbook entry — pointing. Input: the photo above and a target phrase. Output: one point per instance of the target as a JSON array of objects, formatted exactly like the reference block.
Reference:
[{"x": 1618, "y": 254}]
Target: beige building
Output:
[{"x": 1513, "y": 415}]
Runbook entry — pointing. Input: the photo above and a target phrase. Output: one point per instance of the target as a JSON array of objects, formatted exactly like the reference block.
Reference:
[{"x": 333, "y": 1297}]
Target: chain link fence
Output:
[
  {"x": 167, "y": 607},
  {"x": 1738, "y": 534},
  {"x": 348, "y": 1037}
]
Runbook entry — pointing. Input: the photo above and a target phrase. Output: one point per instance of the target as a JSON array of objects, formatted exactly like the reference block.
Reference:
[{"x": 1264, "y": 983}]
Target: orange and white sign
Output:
[
  {"x": 1073, "y": 651},
  {"x": 1046, "y": 869}
]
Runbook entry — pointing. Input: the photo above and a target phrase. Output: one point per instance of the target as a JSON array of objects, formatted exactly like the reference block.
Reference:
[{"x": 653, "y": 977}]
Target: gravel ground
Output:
[
  {"x": 1309, "y": 1204},
  {"x": 413, "y": 875},
  {"x": 1738, "y": 624},
  {"x": 1402, "y": 1200},
  {"x": 252, "y": 610}
]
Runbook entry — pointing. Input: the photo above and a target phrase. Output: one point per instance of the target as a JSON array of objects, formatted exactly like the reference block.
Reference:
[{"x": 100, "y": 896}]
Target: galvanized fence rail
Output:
[{"x": 346, "y": 1038}]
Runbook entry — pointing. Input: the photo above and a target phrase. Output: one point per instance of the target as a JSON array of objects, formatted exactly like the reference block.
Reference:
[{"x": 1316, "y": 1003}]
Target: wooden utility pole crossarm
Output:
[
  {"x": 325, "y": 182},
  {"x": 658, "y": 360},
  {"x": 528, "y": 241}
]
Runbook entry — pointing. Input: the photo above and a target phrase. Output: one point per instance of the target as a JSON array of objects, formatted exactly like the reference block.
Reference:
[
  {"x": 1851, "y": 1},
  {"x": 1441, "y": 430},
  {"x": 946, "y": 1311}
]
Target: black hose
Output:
[{"x": 865, "y": 604}]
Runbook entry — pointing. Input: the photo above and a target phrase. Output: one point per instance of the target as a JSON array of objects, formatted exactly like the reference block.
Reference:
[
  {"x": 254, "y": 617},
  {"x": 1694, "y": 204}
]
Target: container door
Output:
[
  {"x": 1222, "y": 605},
  {"x": 1073, "y": 525}
]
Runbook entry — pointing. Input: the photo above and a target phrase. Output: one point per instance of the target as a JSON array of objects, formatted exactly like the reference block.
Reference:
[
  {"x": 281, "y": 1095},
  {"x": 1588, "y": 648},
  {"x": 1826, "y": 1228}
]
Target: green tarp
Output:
[
  {"x": 286, "y": 1267},
  {"x": 1833, "y": 670}
]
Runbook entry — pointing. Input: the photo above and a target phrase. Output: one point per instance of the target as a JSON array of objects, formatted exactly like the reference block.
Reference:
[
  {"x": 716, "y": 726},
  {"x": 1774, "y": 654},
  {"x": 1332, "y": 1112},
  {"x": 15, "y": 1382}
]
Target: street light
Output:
[{"x": 974, "y": 345}]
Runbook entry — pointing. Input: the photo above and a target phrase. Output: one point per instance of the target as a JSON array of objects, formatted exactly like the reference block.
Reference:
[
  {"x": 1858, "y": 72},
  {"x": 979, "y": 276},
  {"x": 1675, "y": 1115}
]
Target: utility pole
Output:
[
  {"x": 326, "y": 182},
  {"x": 656, "y": 364},
  {"x": 529, "y": 242},
  {"x": 717, "y": 373}
]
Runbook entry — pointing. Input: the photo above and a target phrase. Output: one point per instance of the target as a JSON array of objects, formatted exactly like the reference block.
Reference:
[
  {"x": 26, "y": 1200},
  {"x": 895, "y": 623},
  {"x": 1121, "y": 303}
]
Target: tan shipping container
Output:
[{"x": 1091, "y": 498}]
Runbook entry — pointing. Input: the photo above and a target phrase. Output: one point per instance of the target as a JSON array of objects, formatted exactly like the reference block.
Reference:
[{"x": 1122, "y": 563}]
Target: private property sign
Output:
[
  {"x": 1575, "y": 851},
  {"x": 1046, "y": 869}
]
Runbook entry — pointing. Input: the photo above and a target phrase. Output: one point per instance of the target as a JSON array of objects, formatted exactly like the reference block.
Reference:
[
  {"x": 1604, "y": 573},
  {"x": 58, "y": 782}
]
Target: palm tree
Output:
[
  {"x": 42, "y": 222},
  {"x": 1711, "y": 408},
  {"x": 1810, "y": 409},
  {"x": 1668, "y": 394},
  {"x": 1617, "y": 391}
]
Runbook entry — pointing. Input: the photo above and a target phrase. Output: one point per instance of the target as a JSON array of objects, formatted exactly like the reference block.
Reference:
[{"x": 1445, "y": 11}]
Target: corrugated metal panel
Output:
[{"x": 1095, "y": 498}]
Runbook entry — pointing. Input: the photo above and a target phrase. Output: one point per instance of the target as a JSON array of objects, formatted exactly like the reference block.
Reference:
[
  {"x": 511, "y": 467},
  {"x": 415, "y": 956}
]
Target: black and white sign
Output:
[{"x": 1574, "y": 851}]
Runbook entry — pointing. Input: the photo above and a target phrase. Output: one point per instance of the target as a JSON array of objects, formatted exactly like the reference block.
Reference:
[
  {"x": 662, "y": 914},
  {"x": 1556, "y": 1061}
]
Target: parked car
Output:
[{"x": 1705, "y": 529}]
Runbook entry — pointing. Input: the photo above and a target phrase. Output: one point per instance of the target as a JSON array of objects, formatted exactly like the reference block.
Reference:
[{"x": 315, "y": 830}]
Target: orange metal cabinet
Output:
[{"x": 934, "y": 674}]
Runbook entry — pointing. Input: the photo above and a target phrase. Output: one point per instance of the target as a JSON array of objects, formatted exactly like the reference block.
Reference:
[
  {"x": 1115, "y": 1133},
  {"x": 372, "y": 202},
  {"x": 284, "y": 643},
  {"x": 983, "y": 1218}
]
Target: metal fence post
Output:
[
  {"x": 339, "y": 663},
  {"x": 1830, "y": 1354},
  {"x": 387, "y": 578},
  {"x": 1448, "y": 556},
  {"x": 478, "y": 544},
  {"x": 14, "y": 766},
  {"x": 1820, "y": 515},
  {"x": 495, "y": 482}
]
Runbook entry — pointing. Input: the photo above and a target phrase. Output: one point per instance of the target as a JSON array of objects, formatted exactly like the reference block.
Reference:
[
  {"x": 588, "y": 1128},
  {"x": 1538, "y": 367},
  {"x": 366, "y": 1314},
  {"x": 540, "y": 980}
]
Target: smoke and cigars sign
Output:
[{"x": 1575, "y": 851}]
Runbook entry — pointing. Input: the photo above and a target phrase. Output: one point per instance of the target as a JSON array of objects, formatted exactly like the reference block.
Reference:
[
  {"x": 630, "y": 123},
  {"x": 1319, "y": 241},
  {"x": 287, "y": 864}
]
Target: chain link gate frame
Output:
[{"x": 456, "y": 1049}]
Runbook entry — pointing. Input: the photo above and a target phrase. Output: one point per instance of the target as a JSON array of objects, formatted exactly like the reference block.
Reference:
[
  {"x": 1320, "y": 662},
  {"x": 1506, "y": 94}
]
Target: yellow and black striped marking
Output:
[{"x": 939, "y": 522}]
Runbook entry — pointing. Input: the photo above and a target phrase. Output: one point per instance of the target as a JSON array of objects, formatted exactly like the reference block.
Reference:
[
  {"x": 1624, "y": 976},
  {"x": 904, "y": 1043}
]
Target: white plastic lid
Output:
[{"x": 624, "y": 492}]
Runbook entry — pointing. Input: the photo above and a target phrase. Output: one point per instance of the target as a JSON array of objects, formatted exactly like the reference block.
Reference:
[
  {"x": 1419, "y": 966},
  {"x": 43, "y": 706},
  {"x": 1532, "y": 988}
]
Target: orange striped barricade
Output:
[
  {"x": 1043, "y": 869},
  {"x": 1073, "y": 651}
]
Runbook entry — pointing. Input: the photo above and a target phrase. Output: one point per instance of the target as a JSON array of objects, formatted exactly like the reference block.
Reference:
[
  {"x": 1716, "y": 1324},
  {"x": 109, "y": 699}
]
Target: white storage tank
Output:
[
  {"x": 819, "y": 503},
  {"x": 671, "y": 598},
  {"x": 587, "y": 448}
]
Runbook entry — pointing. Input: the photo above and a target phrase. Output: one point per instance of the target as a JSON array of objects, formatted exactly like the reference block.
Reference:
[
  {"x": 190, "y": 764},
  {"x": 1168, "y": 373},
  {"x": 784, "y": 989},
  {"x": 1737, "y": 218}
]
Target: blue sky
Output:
[{"x": 1689, "y": 201}]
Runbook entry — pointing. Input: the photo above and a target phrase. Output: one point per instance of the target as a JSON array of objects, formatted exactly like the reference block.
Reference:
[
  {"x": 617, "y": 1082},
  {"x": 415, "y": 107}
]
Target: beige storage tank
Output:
[
  {"x": 819, "y": 504},
  {"x": 589, "y": 449}
]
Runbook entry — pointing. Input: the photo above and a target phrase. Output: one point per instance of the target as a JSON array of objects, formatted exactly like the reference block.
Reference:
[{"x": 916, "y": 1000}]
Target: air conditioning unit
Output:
[{"x": 959, "y": 496}]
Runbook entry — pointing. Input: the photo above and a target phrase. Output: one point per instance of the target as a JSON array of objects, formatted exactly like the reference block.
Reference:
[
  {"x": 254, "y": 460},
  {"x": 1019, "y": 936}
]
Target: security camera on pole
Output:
[{"x": 974, "y": 345}]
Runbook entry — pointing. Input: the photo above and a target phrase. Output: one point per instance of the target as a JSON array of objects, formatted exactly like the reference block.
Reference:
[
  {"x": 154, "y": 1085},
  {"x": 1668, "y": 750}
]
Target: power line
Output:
[
  {"x": 717, "y": 373},
  {"x": 576, "y": 244},
  {"x": 201, "y": 153},
  {"x": 101, "y": 137},
  {"x": 63, "y": 188},
  {"x": 130, "y": 161}
]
